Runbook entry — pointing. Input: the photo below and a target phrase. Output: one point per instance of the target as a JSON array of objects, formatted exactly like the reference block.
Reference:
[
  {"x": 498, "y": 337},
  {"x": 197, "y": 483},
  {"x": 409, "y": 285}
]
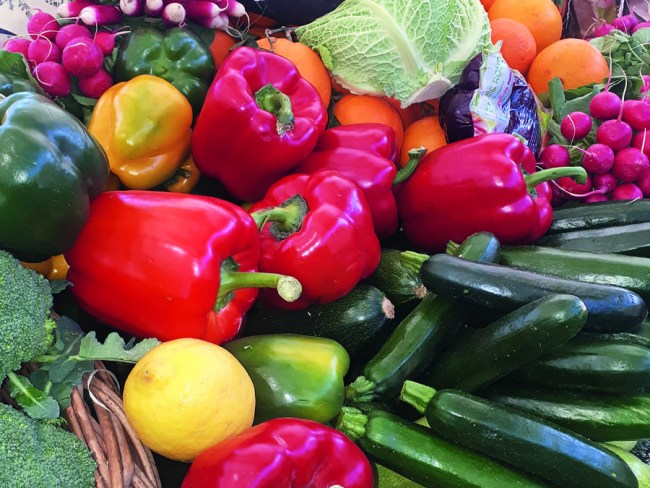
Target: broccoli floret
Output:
[
  {"x": 36, "y": 454},
  {"x": 26, "y": 329}
]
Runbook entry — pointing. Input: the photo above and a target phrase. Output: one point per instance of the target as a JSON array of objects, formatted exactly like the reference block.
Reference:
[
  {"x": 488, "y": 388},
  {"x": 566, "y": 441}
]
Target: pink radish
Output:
[
  {"x": 94, "y": 86},
  {"x": 644, "y": 184},
  {"x": 106, "y": 41},
  {"x": 43, "y": 49},
  {"x": 625, "y": 23},
  {"x": 606, "y": 182},
  {"x": 69, "y": 32},
  {"x": 81, "y": 57},
  {"x": 132, "y": 8},
  {"x": 615, "y": 134},
  {"x": 596, "y": 197},
  {"x": 637, "y": 114},
  {"x": 603, "y": 29},
  {"x": 18, "y": 45},
  {"x": 72, "y": 10},
  {"x": 641, "y": 25},
  {"x": 53, "y": 78},
  {"x": 641, "y": 141},
  {"x": 101, "y": 15},
  {"x": 231, "y": 7},
  {"x": 206, "y": 14},
  {"x": 598, "y": 159},
  {"x": 627, "y": 191},
  {"x": 573, "y": 188},
  {"x": 42, "y": 24},
  {"x": 605, "y": 105},
  {"x": 173, "y": 14},
  {"x": 554, "y": 156},
  {"x": 153, "y": 8},
  {"x": 630, "y": 164},
  {"x": 576, "y": 126}
]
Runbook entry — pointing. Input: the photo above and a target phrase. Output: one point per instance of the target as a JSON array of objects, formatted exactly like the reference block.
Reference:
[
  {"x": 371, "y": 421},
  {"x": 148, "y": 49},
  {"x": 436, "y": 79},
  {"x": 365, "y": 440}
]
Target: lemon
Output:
[{"x": 186, "y": 395}]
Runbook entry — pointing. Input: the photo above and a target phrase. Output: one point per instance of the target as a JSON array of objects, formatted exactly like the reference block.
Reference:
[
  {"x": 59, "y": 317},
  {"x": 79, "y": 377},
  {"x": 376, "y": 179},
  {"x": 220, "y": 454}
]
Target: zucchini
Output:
[
  {"x": 419, "y": 454},
  {"x": 598, "y": 215},
  {"x": 357, "y": 321},
  {"x": 633, "y": 239},
  {"x": 504, "y": 289},
  {"x": 420, "y": 336},
  {"x": 485, "y": 355},
  {"x": 640, "y": 469},
  {"x": 400, "y": 284},
  {"x": 593, "y": 363},
  {"x": 631, "y": 272},
  {"x": 520, "y": 439},
  {"x": 602, "y": 418}
]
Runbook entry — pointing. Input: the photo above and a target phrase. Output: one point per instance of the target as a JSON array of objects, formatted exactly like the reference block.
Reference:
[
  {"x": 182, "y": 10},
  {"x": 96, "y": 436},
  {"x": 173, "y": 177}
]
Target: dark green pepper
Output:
[
  {"x": 294, "y": 375},
  {"x": 14, "y": 75},
  {"x": 176, "y": 55},
  {"x": 50, "y": 169}
]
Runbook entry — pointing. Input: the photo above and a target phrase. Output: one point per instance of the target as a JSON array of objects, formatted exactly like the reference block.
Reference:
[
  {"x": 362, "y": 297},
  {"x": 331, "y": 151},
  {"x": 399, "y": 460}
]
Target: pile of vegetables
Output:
[{"x": 340, "y": 243}]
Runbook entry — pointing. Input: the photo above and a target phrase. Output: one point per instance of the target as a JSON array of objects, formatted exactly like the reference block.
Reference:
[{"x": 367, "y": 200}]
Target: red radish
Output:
[
  {"x": 69, "y": 32},
  {"x": 173, "y": 14},
  {"x": 627, "y": 191},
  {"x": 42, "y": 24},
  {"x": 72, "y": 10},
  {"x": 603, "y": 29},
  {"x": 554, "y": 156},
  {"x": 153, "y": 8},
  {"x": 53, "y": 78},
  {"x": 106, "y": 41},
  {"x": 596, "y": 197},
  {"x": 615, "y": 134},
  {"x": 43, "y": 50},
  {"x": 576, "y": 126},
  {"x": 641, "y": 140},
  {"x": 606, "y": 182},
  {"x": 557, "y": 197},
  {"x": 231, "y": 7},
  {"x": 644, "y": 184},
  {"x": 625, "y": 23},
  {"x": 598, "y": 159},
  {"x": 641, "y": 25},
  {"x": 630, "y": 164},
  {"x": 637, "y": 114},
  {"x": 93, "y": 86},
  {"x": 81, "y": 57},
  {"x": 574, "y": 189},
  {"x": 605, "y": 105},
  {"x": 101, "y": 15},
  {"x": 132, "y": 8},
  {"x": 206, "y": 14},
  {"x": 18, "y": 45}
]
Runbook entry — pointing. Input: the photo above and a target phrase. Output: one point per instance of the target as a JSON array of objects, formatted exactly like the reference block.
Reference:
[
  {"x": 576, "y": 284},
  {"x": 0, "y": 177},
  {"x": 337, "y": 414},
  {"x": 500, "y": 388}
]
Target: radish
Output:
[
  {"x": 605, "y": 182},
  {"x": 132, "y": 8},
  {"x": 94, "y": 85},
  {"x": 554, "y": 156},
  {"x": 603, "y": 29},
  {"x": 173, "y": 14},
  {"x": 153, "y": 8},
  {"x": 626, "y": 23},
  {"x": 605, "y": 105},
  {"x": 43, "y": 49},
  {"x": 206, "y": 14},
  {"x": 576, "y": 126},
  {"x": 53, "y": 78},
  {"x": 72, "y": 10},
  {"x": 627, "y": 191},
  {"x": 231, "y": 7},
  {"x": 106, "y": 41},
  {"x": 69, "y": 32},
  {"x": 574, "y": 189},
  {"x": 598, "y": 159},
  {"x": 42, "y": 24},
  {"x": 644, "y": 184},
  {"x": 641, "y": 140},
  {"x": 646, "y": 85},
  {"x": 101, "y": 15},
  {"x": 641, "y": 25},
  {"x": 596, "y": 197},
  {"x": 630, "y": 164},
  {"x": 18, "y": 45},
  {"x": 81, "y": 57},
  {"x": 615, "y": 134},
  {"x": 637, "y": 114}
]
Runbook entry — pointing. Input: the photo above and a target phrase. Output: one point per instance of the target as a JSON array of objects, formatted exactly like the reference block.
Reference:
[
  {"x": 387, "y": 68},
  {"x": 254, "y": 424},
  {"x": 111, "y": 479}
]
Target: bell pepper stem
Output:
[
  {"x": 286, "y": 218},
  {"x": 415, "y": 155},
  {"x": 576, "y": 172},
  {"x": 412, "y": 260},
  {"x": 361, "y": 390},
  {"x": 272, "y": 100},
  {"x": 287, "y": 287},
  {"x": 352, "y": 422},
  {"x": 417, "y": 395}
]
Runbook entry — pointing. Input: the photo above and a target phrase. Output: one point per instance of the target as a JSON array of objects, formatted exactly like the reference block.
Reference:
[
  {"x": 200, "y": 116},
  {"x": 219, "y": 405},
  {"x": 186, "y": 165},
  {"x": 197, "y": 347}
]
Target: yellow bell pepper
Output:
[
  {"x": 145, "y": 127},
  {"x": 54, "y": 268}
]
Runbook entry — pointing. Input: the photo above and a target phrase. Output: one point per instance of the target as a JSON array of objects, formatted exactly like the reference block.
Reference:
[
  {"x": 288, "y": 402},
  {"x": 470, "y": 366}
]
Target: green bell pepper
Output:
[
  {"x": 176, "y": 55},
  {"x": 50, "y": 169},
  {"x": 14, "y": 75},
  {"x": 294, "y": 375}
]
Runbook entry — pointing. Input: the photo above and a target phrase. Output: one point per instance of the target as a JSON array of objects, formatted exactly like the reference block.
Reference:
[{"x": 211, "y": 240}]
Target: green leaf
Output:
[
  {"x": 70, "y": 335},
  {"x": 579, "y": 103},
  {"x": 556, "y": 97},
  {"x": 15, "y": 74},
  {"x": 35, "y": 402},
  {"x": 114, "y": 348},
  {"x": 61, "y": 368},
  {"x": 58, "y": 286}
]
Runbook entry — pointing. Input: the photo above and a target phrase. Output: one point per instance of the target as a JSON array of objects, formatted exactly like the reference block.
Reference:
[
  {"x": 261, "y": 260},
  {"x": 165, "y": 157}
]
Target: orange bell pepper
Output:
[{"x": 185, "y": 178}]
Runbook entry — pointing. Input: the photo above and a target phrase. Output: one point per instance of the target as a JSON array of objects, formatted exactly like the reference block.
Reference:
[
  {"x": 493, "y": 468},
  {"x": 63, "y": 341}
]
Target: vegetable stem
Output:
[
  {"x": 352, "y": 422},
  {"x": 417, "y": 395},
  {"x": 272, "y": 100},
  {"x": 286, "y": 218},
  {"x": 287, "y": 287},
  {"x": 361, "y": 390},
  {"x": 576, "y": 172},
  {"x": 412, "y": 260},
  {"x": 415, "y": 155}
]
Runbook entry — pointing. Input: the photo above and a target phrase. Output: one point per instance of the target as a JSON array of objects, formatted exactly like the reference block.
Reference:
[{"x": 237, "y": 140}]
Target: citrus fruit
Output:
[
  {"x": 358, "y": 109},
  {"x": 518, "y": 46},
  {"x": 425, "y": 132}
]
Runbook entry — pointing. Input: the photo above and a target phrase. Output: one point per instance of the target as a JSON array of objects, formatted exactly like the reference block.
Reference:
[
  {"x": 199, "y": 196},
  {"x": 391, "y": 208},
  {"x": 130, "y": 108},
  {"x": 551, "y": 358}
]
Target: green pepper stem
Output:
[
  {"x": 417, "y": 395},
  {"x": 452, "y": 248},
  {"x": 287, "y": 287},
  {"x": 415, "y": 155},
  {"x": 412, "y": 260},
  {"x": 286, "y": 218},
  {"x": 361, "y": 390},
  {"x": 352, "y": 422},
  {"x": 272, "y": 100},
  {"x": 578, "y": 173}
]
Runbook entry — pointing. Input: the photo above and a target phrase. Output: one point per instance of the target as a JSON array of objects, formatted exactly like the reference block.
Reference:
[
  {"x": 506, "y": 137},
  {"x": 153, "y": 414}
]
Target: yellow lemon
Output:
[{"x": 186, "y": 395}]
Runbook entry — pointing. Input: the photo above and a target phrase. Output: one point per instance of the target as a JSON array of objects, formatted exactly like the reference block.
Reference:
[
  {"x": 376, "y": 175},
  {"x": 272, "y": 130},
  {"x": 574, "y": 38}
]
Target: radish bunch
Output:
[
  {"x": 612, "y": 142},
  {"x": 57, "y": 54}
]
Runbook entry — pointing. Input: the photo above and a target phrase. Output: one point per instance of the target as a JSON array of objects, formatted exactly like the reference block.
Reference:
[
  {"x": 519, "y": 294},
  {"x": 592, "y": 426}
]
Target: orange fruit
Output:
[
  {"x": 518, "y": 46},
  {"x": 575, "y": 61},
  {"x": 308, "y": 62},
  {"x": 425, "y": 132},
  {"x": 409, "y": 114},
  {"x": 357, "y": 109},
  {"x": 542, "y": 18},
  {"x": 487, "y": 4},
  {"x": 221, "y": 46}
]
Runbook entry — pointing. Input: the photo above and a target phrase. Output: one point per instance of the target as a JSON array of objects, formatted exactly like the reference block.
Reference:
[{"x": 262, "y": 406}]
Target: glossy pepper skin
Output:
[
  {"x": 176, "y": 55},
  {"x": 294, "y": 375},
  {"x": 50, "y": 170},
  {"x": 361, "y": 152},
  {"x": 473, "y": 185},
  {"x": 150, "y": 264},
  {"x": 283, "y": 452},
  {"x": 145, "y": 127},
  {"x": 260, "y": 118},
  {"x": 329, "y": 243}
]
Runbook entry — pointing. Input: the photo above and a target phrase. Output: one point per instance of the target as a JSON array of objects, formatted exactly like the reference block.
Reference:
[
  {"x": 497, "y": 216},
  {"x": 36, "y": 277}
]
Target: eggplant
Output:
[{"x": 291, "y": 12}]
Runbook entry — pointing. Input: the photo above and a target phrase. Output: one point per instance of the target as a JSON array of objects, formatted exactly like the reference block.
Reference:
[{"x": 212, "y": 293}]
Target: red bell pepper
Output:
[
  {"x": 485, "y": 183},
  {"x": 361, "y": 153},
  {"x": 282, "y": 453},
  {"x": 169, "y": 265},
  {"x": 319, "y": 229},
  {"x": 260, "y": 118}
]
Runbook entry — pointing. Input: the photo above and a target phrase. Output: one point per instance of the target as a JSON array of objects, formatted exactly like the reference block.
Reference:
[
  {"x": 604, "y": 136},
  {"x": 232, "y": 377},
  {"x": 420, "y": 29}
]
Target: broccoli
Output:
[
  {"x": 37, "y": 454},
  {"x": 26, "y": 328}
]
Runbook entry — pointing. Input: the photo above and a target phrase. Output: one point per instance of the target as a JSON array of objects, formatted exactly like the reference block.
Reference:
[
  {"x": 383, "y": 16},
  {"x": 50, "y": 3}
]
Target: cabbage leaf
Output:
[{"x": 412, "y": 50}]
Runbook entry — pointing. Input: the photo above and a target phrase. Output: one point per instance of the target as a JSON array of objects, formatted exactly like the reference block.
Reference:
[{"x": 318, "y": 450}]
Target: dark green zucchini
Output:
[
  {"x": 355, "y": 321},
  {"x": 504, "y": 289},
  {"x": 400, "y": 284},
  {"x": 592, "y": 363},
  {"x": 520, "y": 439},
  {"x": 599, "y": 417},
  {"x": 485, "y": 355},
  {"x": 420, "y": 336},
  {"x": 598, "y": 215},
  {"x": 421, "y": 455},
  {"x": 633, "y": 239}
]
